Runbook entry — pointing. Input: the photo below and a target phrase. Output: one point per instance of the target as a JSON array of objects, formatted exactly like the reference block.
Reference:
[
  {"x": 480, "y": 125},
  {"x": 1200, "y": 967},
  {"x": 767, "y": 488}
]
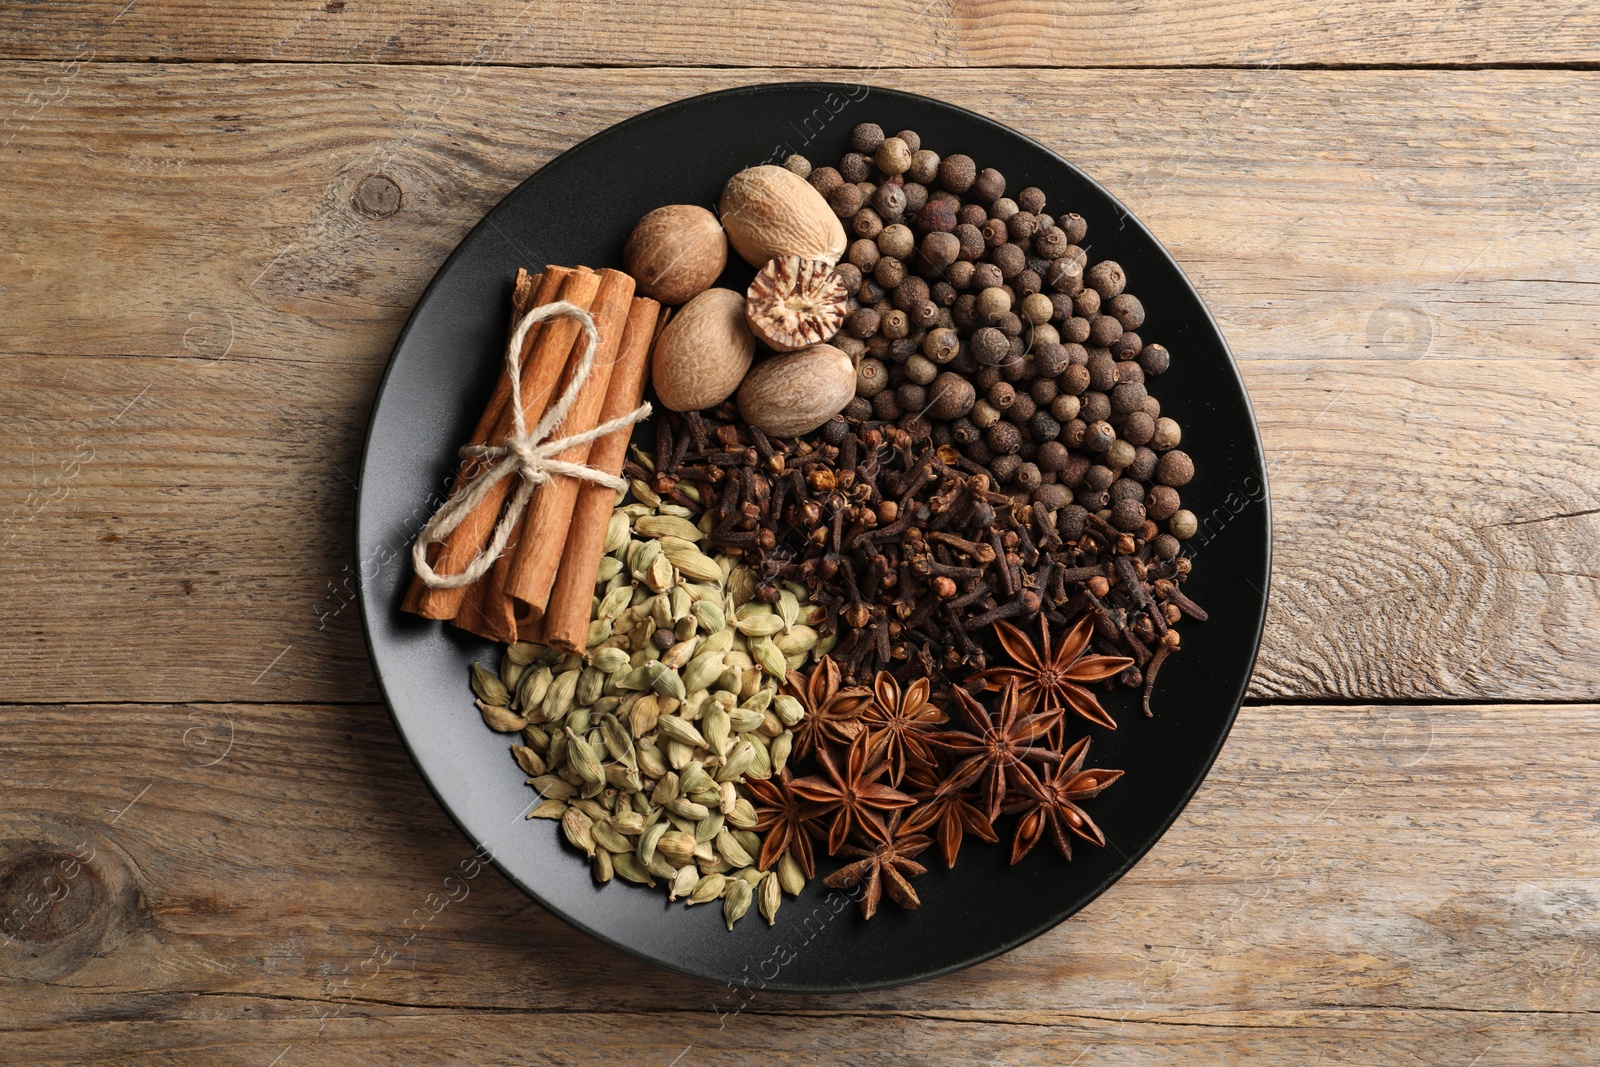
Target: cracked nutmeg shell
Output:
[{"x": 795, "y": 302}]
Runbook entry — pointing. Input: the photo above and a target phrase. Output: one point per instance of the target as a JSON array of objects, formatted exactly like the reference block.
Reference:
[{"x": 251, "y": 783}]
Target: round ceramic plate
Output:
[{"x": 578, "y": 209}]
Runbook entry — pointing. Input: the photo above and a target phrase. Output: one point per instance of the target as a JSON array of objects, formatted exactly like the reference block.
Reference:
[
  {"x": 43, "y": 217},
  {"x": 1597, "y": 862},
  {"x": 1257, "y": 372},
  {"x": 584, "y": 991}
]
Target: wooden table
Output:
[{"x": 213, "y": 222}]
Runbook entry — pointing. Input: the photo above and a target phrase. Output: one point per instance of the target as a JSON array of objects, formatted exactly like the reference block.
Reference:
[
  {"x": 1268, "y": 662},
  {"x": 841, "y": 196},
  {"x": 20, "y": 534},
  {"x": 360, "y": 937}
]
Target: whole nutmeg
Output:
[
  {"x": 893, "y": 156},
  {"x": 796, "y": 392},
  {"x": 703, "y": 352},
  {"x": 795, "y": 302},
  {"x": 676, "y": 252},
  {"x": 769, "y": 212},
  {"x": 950, "y": 396}
]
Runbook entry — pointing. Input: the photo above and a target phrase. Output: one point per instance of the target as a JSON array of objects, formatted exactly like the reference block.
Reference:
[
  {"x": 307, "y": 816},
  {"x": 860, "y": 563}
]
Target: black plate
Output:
[{"x": 578, "y": 209}]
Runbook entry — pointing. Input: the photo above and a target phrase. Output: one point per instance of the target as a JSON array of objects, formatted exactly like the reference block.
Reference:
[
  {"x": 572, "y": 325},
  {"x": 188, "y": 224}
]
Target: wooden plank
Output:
[
  {"x": 1411, "y": 528},
  {"x": 221, "y": 201},
  {"x": 897, "y": 33},
  {"x": 1416, "y": 882}
]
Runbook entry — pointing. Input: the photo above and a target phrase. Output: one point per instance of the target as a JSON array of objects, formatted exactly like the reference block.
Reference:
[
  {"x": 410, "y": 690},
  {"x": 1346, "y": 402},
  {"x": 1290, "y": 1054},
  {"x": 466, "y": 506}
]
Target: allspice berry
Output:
[
  {"x": 1106, "y": 278},
  {"x": 941, "y": 249},
  {"x": 1037, "y": 309},
  {"x": 1138, "y": 428},
  {"x": 1127, "y": 515},
  {"x": 897, "y": 241},
  {"x": 871, "y": 378},
  {"x": 993, "y": 302},
  {"x": 957, "y": 173},
  {"x": 823, "y": 179},
  {"x": 1167, "y": 435},
  {"x": 845, "y": 199},
  {"x": 893, "y": 156},
  {"x": 1011, "y": 260},
  {"x": 989, "y": 186},
  {"x": 924, "y": 166},
  {"x": 855, "y": 167},
  {"x": 890, "y": 201},
  {"x": 866, "y": 138},
  {"x": 989, "y": 346},
  {"x": 799, "y": 164},
  {"x": 1155, "y": 359},
  {"x": 1183, "y": 525},
  {"x": 912, "y": 139},
  {"x": 937, "y": 216},
  {"x": 1161, "y": 502},
  {"x": 1100, "y": 436},
  {"x": 1175, "y": 468},
  {"x": 950, "y": 396},
  {"x": 1003, "y": 437},
  {"x": 1127, "y": 309},
  {"x": 1031, "y": 199}
]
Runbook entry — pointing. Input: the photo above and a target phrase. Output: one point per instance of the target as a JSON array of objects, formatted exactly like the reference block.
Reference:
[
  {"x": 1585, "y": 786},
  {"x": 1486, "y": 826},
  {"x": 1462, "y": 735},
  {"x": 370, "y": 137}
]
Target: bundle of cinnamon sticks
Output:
[{"x": 540, "y": 588}]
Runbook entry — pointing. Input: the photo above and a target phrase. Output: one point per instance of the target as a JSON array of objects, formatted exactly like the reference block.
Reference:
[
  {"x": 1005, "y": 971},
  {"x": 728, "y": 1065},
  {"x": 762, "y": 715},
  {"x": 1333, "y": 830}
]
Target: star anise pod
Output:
[
  {"x": 784, "y": 819},
  {"x": 942, "y": 805},
  {"x": 832, "y": 713},
  {"x": 884, "y": 868},
  {"x": 1052, "y": 803},
  {"x": 996, "y": 747},
  {"x": 1051, "y": 679},
  {"x": 897, "y": 721},
  {"x": 854, "y": 796}
]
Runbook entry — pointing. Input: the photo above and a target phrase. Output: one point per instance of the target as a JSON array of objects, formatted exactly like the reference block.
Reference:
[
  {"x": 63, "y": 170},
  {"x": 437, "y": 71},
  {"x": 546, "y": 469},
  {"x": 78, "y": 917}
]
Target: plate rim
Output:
[{"x": 367, "y": 604}]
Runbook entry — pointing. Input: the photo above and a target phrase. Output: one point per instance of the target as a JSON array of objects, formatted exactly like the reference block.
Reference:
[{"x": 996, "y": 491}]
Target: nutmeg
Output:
[
  {"x": 703, "y": 353},
  {"x": 796, "y": 392},
  {"x": 769, "y": 212},
  {"x": 676, "y": 252}
]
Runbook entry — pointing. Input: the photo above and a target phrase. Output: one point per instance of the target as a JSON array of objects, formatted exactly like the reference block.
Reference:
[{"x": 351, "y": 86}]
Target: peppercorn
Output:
[
  {"x": 1074, "y": 328},
  {"x": 1086, "y": 303},
  {"x": 1128, "y": 398},
  {"x": 1143, "y": 465},
  {"x": 1003, "y": 209},
  {"x": 1010, "y": 259},
  {"x": 1073, "y": 470},
  {"x": 1127, "y": 515},
  {"x": 1138, "y": 428},
  {"x": 1106, "y": 278},
  {"x": 1104, "y": 330},
  {"x": 1183, "y": 525},
  {"x": 1074, "y": 380},
  {"x": 1167, "y": 435},
  {"x": 1003, "y": 437},
  {"x": 1175, "y": 468},
  {"x": 1043, "y": 427},
  {"x": 937, "y": 216},
  {"x": 1155, "y": 359},
  {"x": 911, "y": 397},
  {"x": 1126, "y": 489},
  {"x": 1022, "y": 408},
  {"x": 845, "y": 200}
]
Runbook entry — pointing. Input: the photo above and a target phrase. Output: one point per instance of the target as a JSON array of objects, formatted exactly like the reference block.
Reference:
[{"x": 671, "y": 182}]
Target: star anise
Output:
[
  {"x": 1052, "y": 803},
  {"x": 1051, "y": 678},
  {"x": 897, "y": 721},
  {"x": 832, "y": 713},
  {"x": 884, "y": 868},
  {"x": 942, "y": 804},
  {"x": 785, "y": 821},
  {"x": 854, "y": 796},
  {"x": 997, "y": 747}
]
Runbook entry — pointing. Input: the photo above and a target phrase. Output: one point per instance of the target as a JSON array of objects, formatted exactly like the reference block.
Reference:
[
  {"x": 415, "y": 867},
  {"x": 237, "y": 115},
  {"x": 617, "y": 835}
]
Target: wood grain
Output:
[
  {"x": 219, "y": 209},
  {"x": 257, "y": 873},
  {"x": 893, "y": 34}
]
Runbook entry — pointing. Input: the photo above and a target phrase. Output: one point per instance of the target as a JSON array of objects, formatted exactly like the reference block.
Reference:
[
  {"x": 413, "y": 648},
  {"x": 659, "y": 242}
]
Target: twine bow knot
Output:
[{"x": 533, "y": 455}]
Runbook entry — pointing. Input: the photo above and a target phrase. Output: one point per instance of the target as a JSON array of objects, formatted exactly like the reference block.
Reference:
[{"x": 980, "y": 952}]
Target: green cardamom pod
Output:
[
  {"x": 628, "y": 866},
  {"x": 651, "y": 761},
  {"x": 739, "y": 761},
  {"x": 790, "y": 876},
  {"x": 770, "y": 897},
  {"x": 558, "y": 701},
  {"x": 489, "y": 688},
  {"x": 714, "y": 727},
  {"x": 602, "y": 867},
  {"x": 628, "y": 821},
  {"x": 499, "y": 718},
  {"x": 607, "y": 837},
  {"x": 708, "y": 828},
  {"x": 737, "y": 901},
  {"x": 702, "y": 670},
  {"x": 745, "y": 720},
  {"x": 730, "y": 849},
  {"x": 609, "y": 661},
  {"x": 510, "y": 673},
  {"x": 778, "y": 753},
  {"x": 748, "y": 840},
  {"x": 692, "y": 563},
  {"x": 617, "y": 741},
  {"x": 548, "y": 809},
  {"x": 693, "y": 778},
  {"x": 667, "y": 526},
  {"x": 709, "y": 887},
  {"x": 523, "y": 652},
  {"x": 583, "y": 759},
  {"x": 578, "y": 828},
  {"x": 618, "y": 532},
  {"x": 529, "y": 760},
  {"x": 688, "y": 809},
  {"x": 743, "y": 815},
  {"x": 610, "y": 567},
  {"x": 675, "y": 729},
  {"x": 768, "y": 658},
  {"x": 799, "y": 639},
  {"x": 788, "y": 710},
  {"x": 676, "y": 847},
  {"x": 707, "y": 615},
  {"x": 788, "y": 608},
  {"x": 666, "y": 681},
  {"x": 684, "y": 883},
  {"x": 614, "y": 602},
  {"x": 648, "y": 841}
]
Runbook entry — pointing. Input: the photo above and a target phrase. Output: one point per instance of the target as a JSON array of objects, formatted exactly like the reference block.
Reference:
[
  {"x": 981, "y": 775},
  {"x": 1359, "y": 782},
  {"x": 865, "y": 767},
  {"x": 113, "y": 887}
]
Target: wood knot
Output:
[
  {"x": 47, "y": 893},
  {"x": 376, "y": 197}
]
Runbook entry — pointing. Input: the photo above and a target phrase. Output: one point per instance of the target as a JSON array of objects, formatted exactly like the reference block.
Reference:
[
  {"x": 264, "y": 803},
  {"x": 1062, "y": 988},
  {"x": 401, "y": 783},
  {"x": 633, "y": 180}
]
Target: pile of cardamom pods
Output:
[{"x": 639, "y": 745}]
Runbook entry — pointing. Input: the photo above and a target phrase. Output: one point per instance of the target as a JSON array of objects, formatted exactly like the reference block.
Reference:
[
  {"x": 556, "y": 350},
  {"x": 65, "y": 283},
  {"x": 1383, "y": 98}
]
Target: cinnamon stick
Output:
[
  {"x": 542, "y": 366},
  {"x": 566, "y": 616},
  {"x": 537, "y": 555}
]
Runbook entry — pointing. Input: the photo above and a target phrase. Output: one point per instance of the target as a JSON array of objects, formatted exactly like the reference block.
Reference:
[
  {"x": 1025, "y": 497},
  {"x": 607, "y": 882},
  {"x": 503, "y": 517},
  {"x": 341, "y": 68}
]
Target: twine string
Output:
[{"x": 532, "y": 455}]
